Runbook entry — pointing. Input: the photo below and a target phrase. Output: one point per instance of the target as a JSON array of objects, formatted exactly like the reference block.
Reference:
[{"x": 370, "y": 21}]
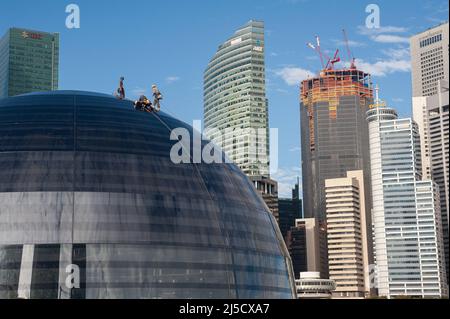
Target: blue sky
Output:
[{"x": 170, "y": 43}]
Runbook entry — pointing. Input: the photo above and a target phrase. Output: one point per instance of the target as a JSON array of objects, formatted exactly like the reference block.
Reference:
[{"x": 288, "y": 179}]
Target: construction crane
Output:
[
  {"x": 330, "y": 62},
  {"x": 317, "y": 49},
  {"x": 333, "y": 61},
  {"x": 351, "y": 59}
]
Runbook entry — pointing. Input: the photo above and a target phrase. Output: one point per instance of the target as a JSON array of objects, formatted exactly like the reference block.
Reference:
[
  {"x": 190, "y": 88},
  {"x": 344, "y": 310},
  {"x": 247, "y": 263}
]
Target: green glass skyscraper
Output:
[
  {"x": 236, "y": 110},
  {"x": 29, "y": 62},
  {"x": 235, "y": 103}
]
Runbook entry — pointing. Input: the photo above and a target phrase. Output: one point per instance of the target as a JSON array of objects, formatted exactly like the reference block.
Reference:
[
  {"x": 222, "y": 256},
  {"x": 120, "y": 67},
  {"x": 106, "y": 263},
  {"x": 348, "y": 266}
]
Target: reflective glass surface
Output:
[{"x": 90, "y": 197}]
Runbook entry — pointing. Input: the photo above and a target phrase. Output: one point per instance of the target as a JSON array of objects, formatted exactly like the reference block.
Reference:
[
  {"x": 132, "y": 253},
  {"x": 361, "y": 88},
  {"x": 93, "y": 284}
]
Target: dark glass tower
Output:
[
  {"x": 298, "y": 249},
  {"x": 87, "y": 188},
  {"x": 290, "y": 210},
  {"x": 334, "y": 133}
]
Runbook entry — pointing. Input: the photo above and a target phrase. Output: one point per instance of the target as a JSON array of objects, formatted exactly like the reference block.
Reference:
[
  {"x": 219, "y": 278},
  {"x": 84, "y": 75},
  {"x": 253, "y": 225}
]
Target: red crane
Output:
[
  {"x": 333, "y": 61},
  {"x": 322, "y": 55}
]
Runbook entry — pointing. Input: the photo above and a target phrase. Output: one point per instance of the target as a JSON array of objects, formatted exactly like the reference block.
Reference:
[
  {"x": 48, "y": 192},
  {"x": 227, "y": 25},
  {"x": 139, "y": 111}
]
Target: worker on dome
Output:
[
  {"x": 121, "y": 90},
  {"x": 143, "y": 104},
  {"x": 157, "y": 97}
]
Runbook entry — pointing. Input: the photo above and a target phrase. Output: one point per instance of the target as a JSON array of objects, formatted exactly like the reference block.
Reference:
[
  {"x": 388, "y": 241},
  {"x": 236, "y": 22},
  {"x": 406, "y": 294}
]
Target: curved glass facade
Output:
[{"x": 88, "y": 192}]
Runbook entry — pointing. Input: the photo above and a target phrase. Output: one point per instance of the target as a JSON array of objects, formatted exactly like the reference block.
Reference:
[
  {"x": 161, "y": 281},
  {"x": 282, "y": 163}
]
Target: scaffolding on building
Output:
[{"x": 328, "y": 87}]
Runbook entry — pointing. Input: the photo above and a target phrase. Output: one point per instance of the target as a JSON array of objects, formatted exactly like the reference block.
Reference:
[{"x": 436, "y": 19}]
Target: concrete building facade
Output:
[
  {"x": 347, "y": 237},
  {"x": 432, "y": 117},
  {"x": 429, "y": 60}
]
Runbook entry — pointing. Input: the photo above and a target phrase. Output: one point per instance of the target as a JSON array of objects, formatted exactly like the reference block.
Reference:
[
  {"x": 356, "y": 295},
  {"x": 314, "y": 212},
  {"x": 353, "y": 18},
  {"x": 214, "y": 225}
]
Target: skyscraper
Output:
[
  {"x": 432, "y": 117},
  {"x": 408, "y": 243},
  {"x": 429, "y": 60},
  {"x": 334, "y": 133},
  {"x": 430, "y": 67},
  {"x": 235, "y": 105},
  {"x": 347, "y": 235},
  {"x": 236, "y": 108},
  {"x": 29, "y": 62}
]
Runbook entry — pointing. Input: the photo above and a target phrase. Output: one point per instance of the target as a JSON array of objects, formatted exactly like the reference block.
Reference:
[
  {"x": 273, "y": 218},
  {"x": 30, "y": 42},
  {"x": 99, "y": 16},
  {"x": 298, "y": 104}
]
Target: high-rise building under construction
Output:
[{"x": 334, "y": 132}]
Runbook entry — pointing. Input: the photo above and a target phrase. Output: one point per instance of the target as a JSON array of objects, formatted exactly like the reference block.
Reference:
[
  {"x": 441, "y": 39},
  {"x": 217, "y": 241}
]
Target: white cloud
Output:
[
  {"x": 384, "y": 67},
  {"x": 287, "y": 178},
  {"x": 397, "y": 99},
  {"x": 293, "y": 75},
  {"x": 389, "y": 38},
  {"x": 397, "y": 53},
  {"x": 172, "y": 79},
  {"x": 351, "y": 43},
  {"x": 295, "y": 149},
  {"x": 386, "y": 29},
  {"x": 384, "y": 34}
]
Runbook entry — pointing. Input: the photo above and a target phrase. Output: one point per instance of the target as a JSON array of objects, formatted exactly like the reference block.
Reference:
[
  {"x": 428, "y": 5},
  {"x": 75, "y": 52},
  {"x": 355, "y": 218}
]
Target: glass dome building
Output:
[{"x": 91, "y": 206}]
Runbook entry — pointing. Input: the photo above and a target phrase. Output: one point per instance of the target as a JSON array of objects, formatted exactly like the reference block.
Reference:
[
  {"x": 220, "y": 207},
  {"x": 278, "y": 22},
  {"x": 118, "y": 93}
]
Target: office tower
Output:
[
  {"x": 303, "y": 243},
  {"x": 102, "y": 193},
  {"x": 429, "y": 60},
  {"x": 236, "y": 108},
  {"x": 289, "y": 210},
  {"x": 347, "y": 236},
  {"x": 235, "y": 100},
  {"x": 334, "y": 133},
  {"x": 432, "y": 116},
  {"x": 29, "y": 62},
  {"x": 408, "y": 242},
  {"x": 311, "y": 286}
]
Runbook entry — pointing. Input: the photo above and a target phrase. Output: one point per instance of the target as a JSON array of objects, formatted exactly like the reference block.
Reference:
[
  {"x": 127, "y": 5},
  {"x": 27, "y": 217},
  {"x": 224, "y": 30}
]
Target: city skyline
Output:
[
  {"x": 261, "y": 101},
  {"x": 176, "y": 58}
]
